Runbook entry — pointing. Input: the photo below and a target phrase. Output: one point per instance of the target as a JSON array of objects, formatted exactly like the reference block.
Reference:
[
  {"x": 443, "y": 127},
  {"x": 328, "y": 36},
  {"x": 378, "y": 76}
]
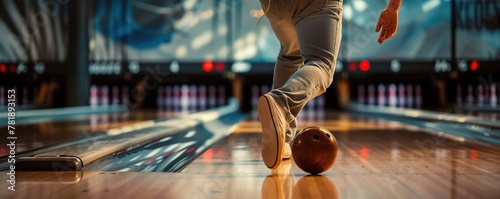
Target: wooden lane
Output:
[
  {"x": 94, "y": 184},
  {"x": 377, "y": 159}
]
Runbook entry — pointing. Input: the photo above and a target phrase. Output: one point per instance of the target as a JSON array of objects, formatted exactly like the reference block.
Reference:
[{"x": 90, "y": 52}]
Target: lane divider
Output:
[
  {"x": 454, "y": 126},
  {"x": 75, "y": 157},
  {"x": 429, "y": 115},
  {"x": 36, "y": 116}
]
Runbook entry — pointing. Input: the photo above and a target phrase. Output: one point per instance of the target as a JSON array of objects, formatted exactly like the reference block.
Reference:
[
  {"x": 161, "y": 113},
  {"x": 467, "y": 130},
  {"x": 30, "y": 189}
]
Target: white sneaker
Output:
[
  {"x": 287, "y": 151},
  {"x": 273, "y": 123}
]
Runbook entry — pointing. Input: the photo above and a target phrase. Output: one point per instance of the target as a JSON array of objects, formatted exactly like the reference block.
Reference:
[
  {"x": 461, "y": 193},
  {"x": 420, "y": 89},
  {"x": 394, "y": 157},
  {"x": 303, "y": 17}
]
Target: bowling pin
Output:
[
  {"x": 160, "y": 98},
  {"x": 480, "y": 95},
  {"x": 392, "y": 95},
  {"x": 104, "y": 95},
  {"x": 401, "y": 95},
  {"x": 418, "y": 96},
  {"x": 371, "y": 94},
  {"x": 493, "y": 95},
  {"x": 409, "y": 99},
  {"x": 203, "y": 97},
  {"x": 470, "y": 95},
  {"x": 487, "y": 94},
  {"x": 94, "y": 96},
  {"x": 125, "y": 95},
  {"x": 116, "y": 95},
  {"x": 184, "y": 98},
  {"x": 160, "y": 101},
  {"x": 168, "y": 98},
  {"x": 321, "y": 108},
  {"x": 193, "y": 91},
  {"x": 176, "y": 98},
  {"x": 361, "y": 94},
  {"x": 211, "y": 96},
  {"x": 381, "y": 95}
]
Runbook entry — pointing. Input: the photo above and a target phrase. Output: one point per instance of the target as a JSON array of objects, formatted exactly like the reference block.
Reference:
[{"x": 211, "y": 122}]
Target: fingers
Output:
[
  {"x": 386, "y": 34},
  {"x": 379, "y": 25},
  {"x": 386, "y": 25},
  {"x": 382, "y": 21},
  {"x": 383, "y": 36},
  {"x": 381, "y": 39},
  {"x": 391, "y": 32},
  {"x": 394, "y": 30}
]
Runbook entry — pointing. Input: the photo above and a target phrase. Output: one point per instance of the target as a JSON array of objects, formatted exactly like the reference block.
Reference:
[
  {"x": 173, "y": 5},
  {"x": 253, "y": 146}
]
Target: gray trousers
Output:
[{"x": 309, "y": 32}]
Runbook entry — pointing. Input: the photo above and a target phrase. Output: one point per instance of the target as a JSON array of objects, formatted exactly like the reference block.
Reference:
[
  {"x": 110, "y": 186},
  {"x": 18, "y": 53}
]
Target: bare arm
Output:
[{"x": 388, "y": 21}]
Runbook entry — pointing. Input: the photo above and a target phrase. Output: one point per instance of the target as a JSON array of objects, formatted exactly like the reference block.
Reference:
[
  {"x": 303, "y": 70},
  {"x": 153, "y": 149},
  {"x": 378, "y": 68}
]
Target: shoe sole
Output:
[{"x": 272, "y": 143}]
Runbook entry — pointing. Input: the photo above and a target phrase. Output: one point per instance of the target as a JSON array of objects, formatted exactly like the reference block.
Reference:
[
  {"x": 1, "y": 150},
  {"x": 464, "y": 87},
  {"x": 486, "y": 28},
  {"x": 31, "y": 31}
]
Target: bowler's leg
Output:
[
  {"x": 288, "y": 62},
  {"x": 319, "y": 38}
]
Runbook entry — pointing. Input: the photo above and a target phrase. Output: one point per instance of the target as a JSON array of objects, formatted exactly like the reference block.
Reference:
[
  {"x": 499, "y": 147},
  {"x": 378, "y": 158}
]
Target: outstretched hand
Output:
[{"x": 388, "y": 23}]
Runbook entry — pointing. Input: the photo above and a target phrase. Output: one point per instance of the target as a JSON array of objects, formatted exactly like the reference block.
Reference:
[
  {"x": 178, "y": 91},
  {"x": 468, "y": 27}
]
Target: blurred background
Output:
[
  {"x": 153, "y": 54},
  {"x": 168, "y": 85}
]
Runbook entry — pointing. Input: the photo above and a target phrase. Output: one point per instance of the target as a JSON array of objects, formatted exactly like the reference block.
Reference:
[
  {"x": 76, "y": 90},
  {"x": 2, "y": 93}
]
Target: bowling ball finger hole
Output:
[
  {"x": 328, "y": 135},
  {"x": 316, "y": 137}
]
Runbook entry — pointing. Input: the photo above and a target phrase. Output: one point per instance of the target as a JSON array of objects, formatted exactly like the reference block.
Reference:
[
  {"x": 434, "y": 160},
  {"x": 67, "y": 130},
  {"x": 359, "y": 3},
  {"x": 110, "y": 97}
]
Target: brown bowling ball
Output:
[{"x": 314, "y": 149}]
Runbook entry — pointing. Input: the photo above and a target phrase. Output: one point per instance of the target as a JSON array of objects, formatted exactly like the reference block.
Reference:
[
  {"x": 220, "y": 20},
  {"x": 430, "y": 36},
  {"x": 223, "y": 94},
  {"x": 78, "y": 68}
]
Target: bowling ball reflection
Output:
[
  {"x": 314, "y": 149},
  {"x": 286, "y": 186},
  {"x": 315, "y": 185}
]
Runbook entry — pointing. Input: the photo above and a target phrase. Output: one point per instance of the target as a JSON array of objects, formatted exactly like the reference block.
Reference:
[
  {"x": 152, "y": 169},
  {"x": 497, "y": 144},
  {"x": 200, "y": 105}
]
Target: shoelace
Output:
[{"x": 265, "y": 12}]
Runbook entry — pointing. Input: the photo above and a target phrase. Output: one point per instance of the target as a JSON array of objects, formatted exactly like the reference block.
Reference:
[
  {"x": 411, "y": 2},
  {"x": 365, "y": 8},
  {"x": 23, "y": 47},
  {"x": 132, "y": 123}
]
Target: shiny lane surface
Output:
[
  {"x": 35, "y": 136},
  {"x": 377, "y": 159}
]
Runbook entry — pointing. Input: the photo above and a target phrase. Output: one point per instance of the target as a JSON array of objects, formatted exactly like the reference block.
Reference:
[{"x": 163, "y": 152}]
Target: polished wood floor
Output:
[{"x": 377, "y": 159}]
